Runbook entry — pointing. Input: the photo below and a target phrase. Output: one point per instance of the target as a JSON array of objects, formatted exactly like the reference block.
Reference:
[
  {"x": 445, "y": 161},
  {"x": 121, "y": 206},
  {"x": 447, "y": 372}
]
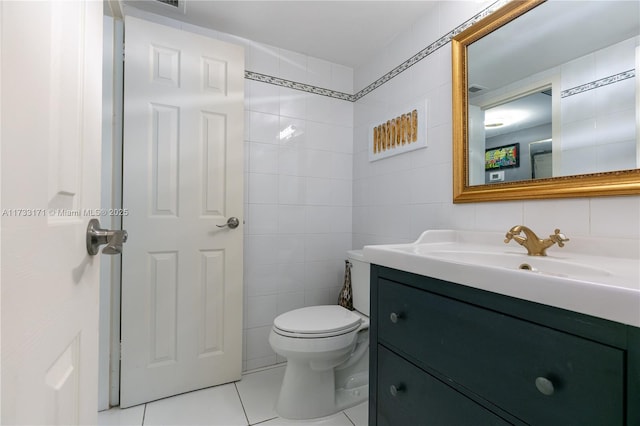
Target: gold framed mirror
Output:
[{"x": 465, "y": 58}]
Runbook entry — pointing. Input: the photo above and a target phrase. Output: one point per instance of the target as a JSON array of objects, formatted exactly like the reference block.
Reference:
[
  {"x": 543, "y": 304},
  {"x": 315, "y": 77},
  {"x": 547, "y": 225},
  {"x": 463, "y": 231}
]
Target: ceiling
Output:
[
  {"x": 553, "y": 33},
  {"x": 343, "y": 32}
]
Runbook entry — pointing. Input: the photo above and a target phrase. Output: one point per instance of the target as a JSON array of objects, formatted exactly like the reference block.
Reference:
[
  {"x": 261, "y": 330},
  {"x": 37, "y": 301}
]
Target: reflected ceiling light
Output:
[
  {"x": 496, "y": 122},
  {"x": 494, "y": 119},
  {"x": 287, "y": 133}
]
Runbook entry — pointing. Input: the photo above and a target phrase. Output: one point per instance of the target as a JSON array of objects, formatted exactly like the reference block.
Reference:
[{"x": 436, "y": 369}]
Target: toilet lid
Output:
[{"x": 317, "y": 320}]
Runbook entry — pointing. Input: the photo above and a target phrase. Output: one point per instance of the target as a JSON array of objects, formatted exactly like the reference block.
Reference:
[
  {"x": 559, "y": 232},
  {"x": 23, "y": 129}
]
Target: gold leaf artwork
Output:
[{"x": 396, "y": 132}]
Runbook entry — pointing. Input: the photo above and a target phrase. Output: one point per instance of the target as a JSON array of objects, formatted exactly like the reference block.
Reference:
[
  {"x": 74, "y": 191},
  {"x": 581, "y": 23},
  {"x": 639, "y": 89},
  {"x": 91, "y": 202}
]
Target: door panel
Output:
[
  {"x": 51, "y": 97},
  {"x": 183, "y": 176}
]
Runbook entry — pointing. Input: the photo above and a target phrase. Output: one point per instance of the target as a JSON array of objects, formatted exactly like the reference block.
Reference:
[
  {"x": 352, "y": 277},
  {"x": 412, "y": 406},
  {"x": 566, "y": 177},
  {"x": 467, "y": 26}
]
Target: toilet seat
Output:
[{"x": 316, "y": 322}]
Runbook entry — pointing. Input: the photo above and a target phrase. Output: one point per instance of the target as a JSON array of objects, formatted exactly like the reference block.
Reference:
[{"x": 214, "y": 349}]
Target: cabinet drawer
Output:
[
  {"x": 508, "y": 361},
  {"x": 420, "y": 399}
]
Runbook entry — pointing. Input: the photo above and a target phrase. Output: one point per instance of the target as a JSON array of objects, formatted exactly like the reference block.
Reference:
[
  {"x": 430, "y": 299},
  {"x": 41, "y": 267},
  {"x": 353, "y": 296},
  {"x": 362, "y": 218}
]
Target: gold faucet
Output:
[{"x": 535, "y": 246}]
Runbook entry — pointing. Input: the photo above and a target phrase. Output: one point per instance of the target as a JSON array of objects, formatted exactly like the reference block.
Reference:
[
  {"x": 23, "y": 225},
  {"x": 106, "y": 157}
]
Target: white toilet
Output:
[{"x": 327, "y": 351}]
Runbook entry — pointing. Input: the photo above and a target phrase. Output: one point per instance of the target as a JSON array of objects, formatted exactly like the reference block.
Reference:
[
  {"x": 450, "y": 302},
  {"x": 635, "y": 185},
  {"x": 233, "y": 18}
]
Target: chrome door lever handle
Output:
[
  {"x": 97, "y": 236},
  {"x": 232, "y": 223}
]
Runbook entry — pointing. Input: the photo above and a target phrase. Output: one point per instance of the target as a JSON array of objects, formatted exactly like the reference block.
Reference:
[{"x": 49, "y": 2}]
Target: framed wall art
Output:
[{"x": 404, "y": 131}]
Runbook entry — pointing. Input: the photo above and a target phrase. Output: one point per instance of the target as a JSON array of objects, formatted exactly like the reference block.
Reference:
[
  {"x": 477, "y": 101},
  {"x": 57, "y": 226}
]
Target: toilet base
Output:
[
  {"x": 347, "y": 398},
  {"x": 317, "y": 389}
]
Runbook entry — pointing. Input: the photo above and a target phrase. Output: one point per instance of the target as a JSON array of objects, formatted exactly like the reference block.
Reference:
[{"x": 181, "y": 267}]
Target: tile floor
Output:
[{"x": 251, "y": 401}]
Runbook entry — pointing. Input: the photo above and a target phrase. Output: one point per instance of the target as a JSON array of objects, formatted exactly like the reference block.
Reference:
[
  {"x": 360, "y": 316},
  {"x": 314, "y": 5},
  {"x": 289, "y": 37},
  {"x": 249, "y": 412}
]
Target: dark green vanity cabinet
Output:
[{"x": 449, "y": 354}]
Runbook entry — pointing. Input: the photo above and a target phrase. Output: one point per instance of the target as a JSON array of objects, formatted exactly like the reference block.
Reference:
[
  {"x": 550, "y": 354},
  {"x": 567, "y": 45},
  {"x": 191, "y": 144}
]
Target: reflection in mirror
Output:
[
  {"x": 523, "y": 121},
  {"x": 558, "y": 78},
  {"x": 541, "y": 157}
]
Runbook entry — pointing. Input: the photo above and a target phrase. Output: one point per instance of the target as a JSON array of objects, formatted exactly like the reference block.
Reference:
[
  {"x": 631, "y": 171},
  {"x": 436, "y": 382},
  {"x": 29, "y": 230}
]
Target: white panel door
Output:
[
  {"x": 183, "y": 176},
  {"x": 51, "y": 111}
]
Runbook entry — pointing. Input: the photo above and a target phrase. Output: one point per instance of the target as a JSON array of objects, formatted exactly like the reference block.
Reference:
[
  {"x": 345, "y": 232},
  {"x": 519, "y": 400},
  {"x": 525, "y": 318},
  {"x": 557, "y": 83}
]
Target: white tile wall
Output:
[
  {"x": 299, "y": 202},
  {"x": 397, "y": 198},
  {"x": 598, "y": 131}
]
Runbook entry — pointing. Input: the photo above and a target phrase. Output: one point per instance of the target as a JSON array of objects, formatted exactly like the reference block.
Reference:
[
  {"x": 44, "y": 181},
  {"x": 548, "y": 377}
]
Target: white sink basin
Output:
[
  {"x": 598, "y": 277},
  {"x": 531, "y": 264}
]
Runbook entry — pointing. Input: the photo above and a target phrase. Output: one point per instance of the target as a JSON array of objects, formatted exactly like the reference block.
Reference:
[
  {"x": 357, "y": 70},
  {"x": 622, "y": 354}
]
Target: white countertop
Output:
[{"x": 593, "y": 276}]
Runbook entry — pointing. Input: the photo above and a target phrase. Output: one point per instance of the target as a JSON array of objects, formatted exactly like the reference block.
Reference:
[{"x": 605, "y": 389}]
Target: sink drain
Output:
[{"x": 527, "y": 267}]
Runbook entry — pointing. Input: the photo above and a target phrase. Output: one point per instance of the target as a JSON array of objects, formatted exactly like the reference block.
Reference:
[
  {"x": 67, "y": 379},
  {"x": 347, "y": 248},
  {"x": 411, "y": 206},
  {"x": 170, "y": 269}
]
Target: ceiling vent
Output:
[
  {"x": 173, "y": 3},
  {"x": 475, "y": 88}
]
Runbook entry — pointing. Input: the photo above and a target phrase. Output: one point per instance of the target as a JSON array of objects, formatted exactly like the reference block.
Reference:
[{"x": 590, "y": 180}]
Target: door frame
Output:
[{"x": 111, "y": 197}]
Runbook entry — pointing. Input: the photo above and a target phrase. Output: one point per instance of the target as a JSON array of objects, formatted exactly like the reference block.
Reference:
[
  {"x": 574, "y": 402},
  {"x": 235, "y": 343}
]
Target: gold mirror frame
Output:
[{"x": 625, "y": 182}]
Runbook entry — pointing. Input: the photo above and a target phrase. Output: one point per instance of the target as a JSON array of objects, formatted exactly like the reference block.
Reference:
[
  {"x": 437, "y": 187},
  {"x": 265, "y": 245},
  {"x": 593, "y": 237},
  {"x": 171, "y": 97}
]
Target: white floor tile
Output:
[
  {"x": 219, "y": 405},
  {"x": 359, "y": 415},
  {"x": 117, "y": 417},
  {"x": 259, "y": 392},
  {"x": 336, "y": 420}
]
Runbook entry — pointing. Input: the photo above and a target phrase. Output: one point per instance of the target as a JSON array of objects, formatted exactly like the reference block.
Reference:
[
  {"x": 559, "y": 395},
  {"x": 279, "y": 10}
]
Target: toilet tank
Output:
[{"x": 359, "y": 281}]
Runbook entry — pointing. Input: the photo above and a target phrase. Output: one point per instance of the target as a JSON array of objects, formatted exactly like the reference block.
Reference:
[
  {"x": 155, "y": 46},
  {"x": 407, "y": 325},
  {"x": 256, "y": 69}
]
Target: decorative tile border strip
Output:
[
  {"x": 250, "y": 75},
  {"x": 598, "y": 83}
]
